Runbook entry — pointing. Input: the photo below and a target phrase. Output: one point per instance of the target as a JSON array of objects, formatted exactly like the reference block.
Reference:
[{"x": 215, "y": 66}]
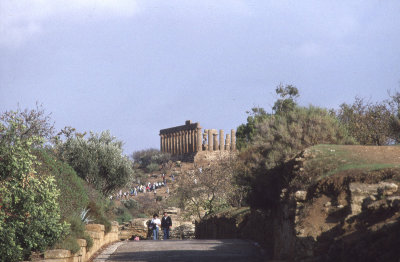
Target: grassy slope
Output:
[{"x": 326, "y": 160}]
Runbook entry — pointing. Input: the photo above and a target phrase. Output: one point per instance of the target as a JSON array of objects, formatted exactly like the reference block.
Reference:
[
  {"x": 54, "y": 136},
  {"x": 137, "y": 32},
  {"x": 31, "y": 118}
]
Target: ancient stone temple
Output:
[{"x": 190, "y": 139}]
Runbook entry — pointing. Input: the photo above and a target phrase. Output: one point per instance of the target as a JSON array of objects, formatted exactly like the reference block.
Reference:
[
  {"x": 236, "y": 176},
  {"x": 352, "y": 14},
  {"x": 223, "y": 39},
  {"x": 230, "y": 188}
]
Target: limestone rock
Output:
[
  {"x": 387, "y": 189},
  {"x": 301, "y": 195},
  {"x": 185, "y": 231},
  {"x": 57, "y": 253}
]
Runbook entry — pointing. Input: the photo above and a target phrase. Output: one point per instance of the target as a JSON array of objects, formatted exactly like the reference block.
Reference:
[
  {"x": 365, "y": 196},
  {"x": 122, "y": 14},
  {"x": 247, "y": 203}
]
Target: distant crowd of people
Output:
[{"x": 149, "y": 187}]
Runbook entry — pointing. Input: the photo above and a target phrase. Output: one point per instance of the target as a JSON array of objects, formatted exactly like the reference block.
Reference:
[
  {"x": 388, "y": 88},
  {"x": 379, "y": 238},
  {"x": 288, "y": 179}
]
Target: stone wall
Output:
[{"x": 100, "y": 239}]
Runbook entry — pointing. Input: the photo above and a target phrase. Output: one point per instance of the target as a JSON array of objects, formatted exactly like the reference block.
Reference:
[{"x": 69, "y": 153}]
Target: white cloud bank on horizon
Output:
[{"x": 22, "y": 19}]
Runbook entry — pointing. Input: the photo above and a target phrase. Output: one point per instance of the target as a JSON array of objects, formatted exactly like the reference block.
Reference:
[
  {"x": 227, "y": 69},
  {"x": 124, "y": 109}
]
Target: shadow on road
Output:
[{"x": 188, "y": 250}]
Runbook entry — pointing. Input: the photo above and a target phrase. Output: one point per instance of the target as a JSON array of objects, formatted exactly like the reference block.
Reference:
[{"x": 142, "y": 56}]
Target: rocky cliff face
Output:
[{"x": 352, "y": 216}]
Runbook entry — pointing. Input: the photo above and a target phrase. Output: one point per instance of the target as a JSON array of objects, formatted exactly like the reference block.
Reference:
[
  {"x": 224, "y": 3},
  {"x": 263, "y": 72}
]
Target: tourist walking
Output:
[
  {"x": 166, "y": 224},
  {"x": 156, "y": 225}
]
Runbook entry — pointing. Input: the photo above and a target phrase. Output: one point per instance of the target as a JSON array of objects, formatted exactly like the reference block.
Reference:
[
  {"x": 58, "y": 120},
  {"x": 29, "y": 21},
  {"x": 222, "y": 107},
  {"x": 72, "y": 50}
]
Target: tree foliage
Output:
[
  {"x": 278, "y": 139},
  {"x": 29, "y": 211},
  {"x": 208, "y": 189},
  {"x": 150, "y": 159},
  {"x": 98, "y": 159},
  {"x": 369, "y": 123},
  {"x": 286, "y": 103}
]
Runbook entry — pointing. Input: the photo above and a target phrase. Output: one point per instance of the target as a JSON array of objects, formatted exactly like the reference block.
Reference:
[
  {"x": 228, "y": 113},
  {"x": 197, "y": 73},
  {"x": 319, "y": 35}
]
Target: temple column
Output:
[
  {"x": 228, "y": 142},
  {"x": 221, "y": 140},
  {"x": 186, "y": 141},
  {"x": 161, "y": 143},
  {"x": 215, "y": 140},
  {"x": 178, "y": 143},
  {"x": 175, "y": 143},
  {"x": 169, "y": 143},
  {"x": 191, "y": 142},
  {"x": 181, "y": 140},
  {"x": 199, "y": 143},
  {"x": 166, "y": 143},
  {"x": 210, "y": 140},
  {"x": 233, "y": 137}
]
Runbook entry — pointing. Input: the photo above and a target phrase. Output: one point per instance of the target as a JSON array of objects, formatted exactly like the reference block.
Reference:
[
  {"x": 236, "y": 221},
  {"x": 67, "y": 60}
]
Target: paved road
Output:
[{"x": 233, "y": 250}]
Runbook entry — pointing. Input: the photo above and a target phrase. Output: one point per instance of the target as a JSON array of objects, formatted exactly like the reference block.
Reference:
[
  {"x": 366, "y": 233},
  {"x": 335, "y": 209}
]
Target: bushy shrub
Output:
[
  {"x": 29, "y": 211},
  {"x": 73, "y": 194},
  {"x": 122, "y": 215},
  {"x": 130, "y": 204},
  {"x": 278, "y": 138},
  {"x": 77, "y": 231},
  {"x": 98, "y": 212},
  {"x": 145, "y": 157},
  {"x": 152, "y": 167}
]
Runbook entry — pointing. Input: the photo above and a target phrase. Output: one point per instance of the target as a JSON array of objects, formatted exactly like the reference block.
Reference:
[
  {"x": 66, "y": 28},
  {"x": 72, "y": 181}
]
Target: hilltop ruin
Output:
[{"x": 187, "y": 141}]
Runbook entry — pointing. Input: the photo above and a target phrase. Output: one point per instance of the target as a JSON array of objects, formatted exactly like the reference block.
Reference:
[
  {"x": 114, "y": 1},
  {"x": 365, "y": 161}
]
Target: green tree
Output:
[
  {"x": 29, "y": 211},
  {"x": 394, "y": 104},
  {"x": 287, "y": 102},
  {"x": 277, "y": 140},
  {"x": 98, "y": 159},
  {"x": 150, "y": 158},
  {"x": 208, "y": 189},
  {"x": 369, "y": 123},
  {"x": 245, "y": 132}
]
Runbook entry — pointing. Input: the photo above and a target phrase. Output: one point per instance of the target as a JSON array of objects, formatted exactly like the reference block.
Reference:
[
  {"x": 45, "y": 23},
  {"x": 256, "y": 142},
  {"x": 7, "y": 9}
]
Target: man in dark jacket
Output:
[{"x": 166, "y": 225}]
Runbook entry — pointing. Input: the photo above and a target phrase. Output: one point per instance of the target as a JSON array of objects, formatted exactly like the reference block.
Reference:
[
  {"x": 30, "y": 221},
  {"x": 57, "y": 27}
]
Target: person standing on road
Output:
[
  {"x": 156, "y": 225},
  {"x": 166, "y": 224}
]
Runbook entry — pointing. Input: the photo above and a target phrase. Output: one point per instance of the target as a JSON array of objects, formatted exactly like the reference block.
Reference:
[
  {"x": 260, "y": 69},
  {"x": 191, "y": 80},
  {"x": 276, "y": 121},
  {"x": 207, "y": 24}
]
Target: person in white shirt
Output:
[{"x": 156, "y": 222}]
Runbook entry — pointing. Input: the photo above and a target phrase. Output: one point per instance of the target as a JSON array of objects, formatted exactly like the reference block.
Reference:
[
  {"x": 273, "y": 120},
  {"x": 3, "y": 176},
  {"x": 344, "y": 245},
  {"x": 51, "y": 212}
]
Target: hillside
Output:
[
  {"x": 325, "y": 160},
  {"x": 347, "y": 208}
]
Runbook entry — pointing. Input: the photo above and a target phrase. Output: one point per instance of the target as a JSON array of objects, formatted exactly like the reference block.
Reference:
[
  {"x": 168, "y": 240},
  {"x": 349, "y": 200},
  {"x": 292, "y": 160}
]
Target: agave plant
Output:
[{"x": 85, "y": 216}]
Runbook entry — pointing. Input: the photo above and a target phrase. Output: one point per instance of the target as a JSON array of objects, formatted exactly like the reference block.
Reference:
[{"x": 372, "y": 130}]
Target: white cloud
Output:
[{"x": 22, "y": 19}]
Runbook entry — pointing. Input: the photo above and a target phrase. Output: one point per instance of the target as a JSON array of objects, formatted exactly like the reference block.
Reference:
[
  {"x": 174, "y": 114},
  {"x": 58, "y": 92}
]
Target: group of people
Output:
[
  {"x": 149, "y": 187},
  {"x": 165, "y": 224}
]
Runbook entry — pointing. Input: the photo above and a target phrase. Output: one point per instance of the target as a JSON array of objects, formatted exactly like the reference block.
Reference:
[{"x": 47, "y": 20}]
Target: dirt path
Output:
[{"x": 185, "y": 250}]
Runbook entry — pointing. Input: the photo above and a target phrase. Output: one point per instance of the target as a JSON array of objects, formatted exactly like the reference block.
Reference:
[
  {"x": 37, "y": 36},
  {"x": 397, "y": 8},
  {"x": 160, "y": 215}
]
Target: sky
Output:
[{"x": 137, "y": 66}]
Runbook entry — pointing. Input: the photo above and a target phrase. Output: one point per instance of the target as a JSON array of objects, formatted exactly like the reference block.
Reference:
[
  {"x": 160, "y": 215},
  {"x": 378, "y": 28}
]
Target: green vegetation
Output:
[
  {"x": 97, "y": 159},
  {"x": 150, "y": 159},
  {"x": 209, "y": 190},
  {"x": 372, "y": 123},
  {"x": 279, "y": 137},
  {"x": 29, "y": 211},
  {"x": 328, "y": 160},
  {"x": 74, "y": 195},
  {"x": 287, "y": 102}
]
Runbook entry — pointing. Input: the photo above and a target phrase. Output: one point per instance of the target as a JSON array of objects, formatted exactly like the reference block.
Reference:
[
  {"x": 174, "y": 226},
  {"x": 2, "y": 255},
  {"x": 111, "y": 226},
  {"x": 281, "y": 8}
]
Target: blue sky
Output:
[{"x": 137, "y": 66}]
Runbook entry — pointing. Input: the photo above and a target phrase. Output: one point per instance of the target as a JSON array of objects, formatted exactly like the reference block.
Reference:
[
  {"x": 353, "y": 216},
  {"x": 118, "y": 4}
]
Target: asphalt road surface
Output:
[{"x": 233, "y": 250}]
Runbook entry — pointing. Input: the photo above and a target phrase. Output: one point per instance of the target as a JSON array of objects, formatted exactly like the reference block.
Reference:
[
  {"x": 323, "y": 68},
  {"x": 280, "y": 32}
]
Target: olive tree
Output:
[{"x": 97, "y": 159}]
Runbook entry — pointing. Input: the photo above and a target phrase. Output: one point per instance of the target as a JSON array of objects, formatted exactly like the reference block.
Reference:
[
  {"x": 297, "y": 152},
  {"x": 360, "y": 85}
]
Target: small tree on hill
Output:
[
  {"x": 286, "y": 103},
  {"x": 208, "y": 189}
]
